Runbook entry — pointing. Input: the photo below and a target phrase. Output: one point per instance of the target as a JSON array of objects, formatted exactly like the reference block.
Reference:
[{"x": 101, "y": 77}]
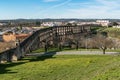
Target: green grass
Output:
[
  {"x": 68, "y": 49},
  {"x": 116, "y": 50},
  {"x": 64, "y": 49},
  {"x": 64, "y": 67},
  {"x": 39, "y": 50},
  {"x": 112, "y": 32},
  {"x": 43, "y": 50}
]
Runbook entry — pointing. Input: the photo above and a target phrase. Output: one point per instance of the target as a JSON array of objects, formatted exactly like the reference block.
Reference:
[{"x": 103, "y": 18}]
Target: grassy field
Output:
[
  {"x": 111, "y": 32},
  {"x": 68, "y": 49},
  {"x": 63, "y": 67}
]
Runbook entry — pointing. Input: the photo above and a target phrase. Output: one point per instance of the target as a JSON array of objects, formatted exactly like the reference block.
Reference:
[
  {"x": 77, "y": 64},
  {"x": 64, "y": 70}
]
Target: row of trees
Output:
[
  {"x": 96, "y": 42},
  {"x": 22, "y": 24},
  {"x": 101, "y": 42}
]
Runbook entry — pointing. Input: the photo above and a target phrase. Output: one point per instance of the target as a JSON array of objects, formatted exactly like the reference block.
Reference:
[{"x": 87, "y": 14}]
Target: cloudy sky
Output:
[{"x": 39, "y": 9}]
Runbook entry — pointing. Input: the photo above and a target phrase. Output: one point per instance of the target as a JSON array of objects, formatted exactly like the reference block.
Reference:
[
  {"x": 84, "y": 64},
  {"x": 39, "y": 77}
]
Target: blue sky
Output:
[{"x": 39, "y": 9}]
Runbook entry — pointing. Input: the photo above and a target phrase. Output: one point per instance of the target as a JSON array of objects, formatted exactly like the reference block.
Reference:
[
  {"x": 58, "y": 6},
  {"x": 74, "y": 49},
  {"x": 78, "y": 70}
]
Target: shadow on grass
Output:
[
  {"x": 42, "y": 57},
  {"x": 4, "y": 67}
]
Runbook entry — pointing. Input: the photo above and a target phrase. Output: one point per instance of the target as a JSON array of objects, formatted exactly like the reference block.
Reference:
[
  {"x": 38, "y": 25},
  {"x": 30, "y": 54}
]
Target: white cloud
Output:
[
  {"x": 104, "y": 9},
  {"x": 61, "y": 4},
  {"x": 96, "y": 9},
  {"x": 56, "y": 6}
]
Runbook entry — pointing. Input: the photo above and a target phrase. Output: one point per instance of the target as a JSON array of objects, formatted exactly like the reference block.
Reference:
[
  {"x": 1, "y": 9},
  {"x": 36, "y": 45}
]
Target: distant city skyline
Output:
[{"x": 56, "y": 9}]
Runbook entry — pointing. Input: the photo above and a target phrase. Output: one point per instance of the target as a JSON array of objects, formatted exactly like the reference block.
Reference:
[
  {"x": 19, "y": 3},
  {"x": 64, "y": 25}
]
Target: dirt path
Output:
[{"x": 74, "y": 53}]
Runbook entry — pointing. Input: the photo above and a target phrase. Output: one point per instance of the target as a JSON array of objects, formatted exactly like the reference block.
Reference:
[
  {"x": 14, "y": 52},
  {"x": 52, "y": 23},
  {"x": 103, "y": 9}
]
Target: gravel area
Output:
[{"x": 74, "y": 53}]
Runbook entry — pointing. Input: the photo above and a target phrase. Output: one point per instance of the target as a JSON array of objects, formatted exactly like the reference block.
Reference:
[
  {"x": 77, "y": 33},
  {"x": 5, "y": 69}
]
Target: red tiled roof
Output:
[{"x": 22, "y": 35}]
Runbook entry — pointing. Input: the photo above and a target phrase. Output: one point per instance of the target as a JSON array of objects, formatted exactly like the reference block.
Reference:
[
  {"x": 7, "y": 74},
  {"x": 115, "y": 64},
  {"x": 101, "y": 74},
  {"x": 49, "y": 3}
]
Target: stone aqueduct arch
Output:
[{"x": 53, "y": 35}]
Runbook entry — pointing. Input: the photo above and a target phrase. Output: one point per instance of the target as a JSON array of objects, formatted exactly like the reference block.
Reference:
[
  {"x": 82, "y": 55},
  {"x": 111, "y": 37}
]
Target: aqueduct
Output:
[{"x": 55, "y": 36}]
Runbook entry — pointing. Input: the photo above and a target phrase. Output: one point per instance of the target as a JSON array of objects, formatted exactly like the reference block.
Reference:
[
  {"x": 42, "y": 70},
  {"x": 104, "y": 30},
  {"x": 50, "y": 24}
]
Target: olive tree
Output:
[{"x": 103, "y": 42}]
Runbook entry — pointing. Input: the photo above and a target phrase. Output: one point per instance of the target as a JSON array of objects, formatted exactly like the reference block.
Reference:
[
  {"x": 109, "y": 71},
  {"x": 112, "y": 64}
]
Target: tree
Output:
[
  {"x": 38, "y": 23},
  {"x": 102, "y": 42},
  {"x": 69, "y": 24},
  {"x": 115, "y": 24}
]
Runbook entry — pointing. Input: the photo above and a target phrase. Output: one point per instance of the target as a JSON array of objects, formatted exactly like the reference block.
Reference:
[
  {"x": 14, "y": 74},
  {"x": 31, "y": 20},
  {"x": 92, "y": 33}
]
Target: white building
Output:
[
  {"x": 118, "y": 26},
  {"x": 51, "y": 24},
  {"x": 1, "y": 24},
  {"x": 48, "y": 24},
  {"x": 103, "y": 22},
  {"x": 83, "y": 23},
  {"x": 72, "y": 22}
]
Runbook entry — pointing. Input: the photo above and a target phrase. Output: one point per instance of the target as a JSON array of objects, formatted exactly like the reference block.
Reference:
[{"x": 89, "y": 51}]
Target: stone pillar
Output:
[
  {"x": 3, "y": 58},
  {"x": 46, "y": 46},
  {"x": 14, "y": 58},
  {"x": 77, "y": 45},
  {"x": 15, "y": 55},
  {"x": 22, "y": 53},
  {"x": 60, "y": 46}
]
